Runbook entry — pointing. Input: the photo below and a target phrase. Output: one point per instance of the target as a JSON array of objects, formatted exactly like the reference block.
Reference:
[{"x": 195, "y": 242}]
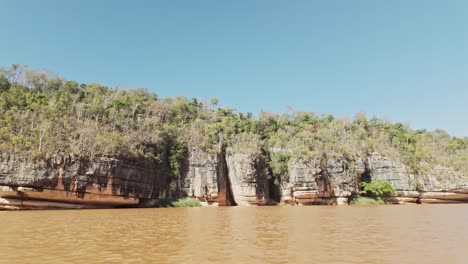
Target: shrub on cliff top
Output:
[{"x": 377, "y": 188}]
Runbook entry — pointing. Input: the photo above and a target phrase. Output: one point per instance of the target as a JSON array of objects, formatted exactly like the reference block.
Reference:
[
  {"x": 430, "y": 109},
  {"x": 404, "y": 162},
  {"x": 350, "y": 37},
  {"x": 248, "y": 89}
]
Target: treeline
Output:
[{"x": 42, "y": 115}]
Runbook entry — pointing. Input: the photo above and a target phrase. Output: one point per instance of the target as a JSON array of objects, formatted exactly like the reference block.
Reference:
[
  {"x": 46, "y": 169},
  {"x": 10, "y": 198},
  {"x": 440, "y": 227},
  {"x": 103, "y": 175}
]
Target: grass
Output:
[
  {"x": 366, "y": 201},
  {"x": 184, "y": 202}
]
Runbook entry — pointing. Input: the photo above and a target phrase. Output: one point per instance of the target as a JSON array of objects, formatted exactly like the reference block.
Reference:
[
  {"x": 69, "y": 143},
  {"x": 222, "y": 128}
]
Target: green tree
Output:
[
  {"x": 279, "y": 165},
  {"x": 377, "y": 188}
]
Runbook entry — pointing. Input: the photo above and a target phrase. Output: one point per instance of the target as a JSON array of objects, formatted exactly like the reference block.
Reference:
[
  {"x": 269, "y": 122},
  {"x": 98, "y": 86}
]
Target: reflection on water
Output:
[{"x": 378, "y": 234}]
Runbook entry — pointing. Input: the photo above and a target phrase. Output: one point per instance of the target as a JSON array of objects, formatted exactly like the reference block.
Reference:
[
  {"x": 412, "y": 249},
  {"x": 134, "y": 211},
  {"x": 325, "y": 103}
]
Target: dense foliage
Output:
[
  {"x": 42, "y": 115},
  {"x": 377, "y": 188}
]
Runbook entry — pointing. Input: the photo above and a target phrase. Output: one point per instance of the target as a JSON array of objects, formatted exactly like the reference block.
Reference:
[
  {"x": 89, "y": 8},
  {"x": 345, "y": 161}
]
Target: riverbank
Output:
[{"x": 31, "y": 200}]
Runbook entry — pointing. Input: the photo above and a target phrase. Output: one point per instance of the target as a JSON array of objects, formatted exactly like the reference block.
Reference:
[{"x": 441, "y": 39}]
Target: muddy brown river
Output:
[{"x": 347, "y": 234}]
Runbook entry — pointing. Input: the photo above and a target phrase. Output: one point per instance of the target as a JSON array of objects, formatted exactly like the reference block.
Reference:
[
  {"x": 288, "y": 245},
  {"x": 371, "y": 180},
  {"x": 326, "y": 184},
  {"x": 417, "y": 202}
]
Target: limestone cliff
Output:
[
  {"x": 65, "y": 181},
  {"x": 337, "y": 181},
  {"x": 437, "y": 185},
  {"x": 229, "y": 177},
  {"x": 200, "y": 179},
  {"x": 311, "y": 184}
]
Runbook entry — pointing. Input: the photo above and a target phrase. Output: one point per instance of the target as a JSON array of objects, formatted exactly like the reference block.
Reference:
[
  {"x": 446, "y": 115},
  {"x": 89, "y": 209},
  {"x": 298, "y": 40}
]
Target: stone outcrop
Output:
[
  {"x": 309, "y": 184},
  {"x": 226, "y": 177},
  {"x": 67, "y": 182},
  {"x": 335, "y": 183},
  {"x": 200, "y": 179},
  {"x": 438, "y": 185},
  {"x": 249, "y": 179}
]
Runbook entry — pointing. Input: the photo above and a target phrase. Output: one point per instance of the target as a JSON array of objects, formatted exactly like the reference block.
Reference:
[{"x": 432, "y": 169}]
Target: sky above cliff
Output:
[{"x": 403, "y": 60}]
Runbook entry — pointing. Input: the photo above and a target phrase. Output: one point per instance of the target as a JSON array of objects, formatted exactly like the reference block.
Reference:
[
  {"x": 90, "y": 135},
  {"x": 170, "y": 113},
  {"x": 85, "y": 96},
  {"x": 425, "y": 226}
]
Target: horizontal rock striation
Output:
[
  {"x": 225, "y": 178},
  {"x": 312, "y": 185},
  {"x": 65, "y": 181},
  {"x": 337, "y": 182},
  {"x": 440, "y": 185}
]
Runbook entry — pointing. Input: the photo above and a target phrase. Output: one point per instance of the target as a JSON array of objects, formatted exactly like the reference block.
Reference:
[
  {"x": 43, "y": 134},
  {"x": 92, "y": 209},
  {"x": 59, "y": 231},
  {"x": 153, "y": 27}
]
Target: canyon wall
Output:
[
  {"x": 227, "y": 179},
  {"x": 65, "y": 181},
  {"x": 338, "y": 181},
  {"x": 437, "y": 185},
  {"x": 312, "y": 184},
  {"x": 224, "y": 178},
  {"x": 315, "y": 184}
]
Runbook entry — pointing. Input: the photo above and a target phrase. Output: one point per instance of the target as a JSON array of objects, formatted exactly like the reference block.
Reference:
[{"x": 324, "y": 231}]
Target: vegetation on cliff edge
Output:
[{"x": 42, "y": 114}]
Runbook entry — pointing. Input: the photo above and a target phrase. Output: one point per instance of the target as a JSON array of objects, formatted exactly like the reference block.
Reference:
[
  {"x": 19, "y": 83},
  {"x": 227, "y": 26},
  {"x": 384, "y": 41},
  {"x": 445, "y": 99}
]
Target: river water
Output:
[{"x": 347, "y": 234}]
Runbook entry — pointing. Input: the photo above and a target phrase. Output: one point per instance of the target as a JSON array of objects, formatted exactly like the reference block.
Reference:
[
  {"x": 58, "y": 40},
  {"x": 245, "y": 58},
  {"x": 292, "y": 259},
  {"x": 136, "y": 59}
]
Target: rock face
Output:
[
  {"x": 67, "y": 182},
  {"x": 309, "y": 184},
  {"x": 200, "y": 179},
  {"x": 249, "y": 179},
  {"x": 227, "y": 177},
  {"x": 383, "y": 168},
  {"x": 439, "y": 185}
]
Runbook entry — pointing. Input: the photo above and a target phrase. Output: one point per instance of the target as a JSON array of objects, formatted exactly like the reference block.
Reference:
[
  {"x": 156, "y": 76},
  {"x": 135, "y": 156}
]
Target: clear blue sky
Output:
[{"x": 403, "y": 60}]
